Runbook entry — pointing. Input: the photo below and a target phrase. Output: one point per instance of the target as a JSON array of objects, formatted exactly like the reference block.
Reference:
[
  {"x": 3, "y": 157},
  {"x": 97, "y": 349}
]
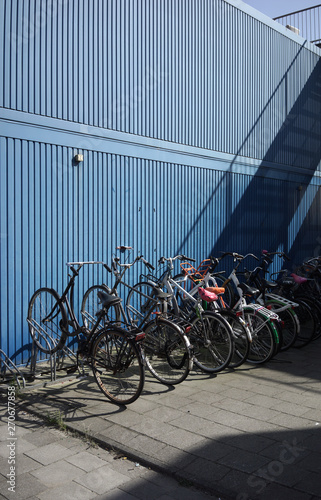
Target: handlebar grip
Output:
[
  {"x": 123, "y": 248},
  {"x": 107, "y": 268},
  {"x": 147, "y": 264},
  {"x": 184, "y": 257}
]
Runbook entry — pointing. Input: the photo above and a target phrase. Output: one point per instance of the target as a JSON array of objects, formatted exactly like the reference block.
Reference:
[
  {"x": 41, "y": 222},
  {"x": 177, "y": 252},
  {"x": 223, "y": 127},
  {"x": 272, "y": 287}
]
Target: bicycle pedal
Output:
[{"x": 71, "y": 369}]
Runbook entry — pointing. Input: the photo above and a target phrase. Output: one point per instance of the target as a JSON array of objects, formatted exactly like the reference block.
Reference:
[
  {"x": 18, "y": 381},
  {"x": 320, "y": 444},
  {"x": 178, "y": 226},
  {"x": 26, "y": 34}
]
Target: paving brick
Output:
[
  {"x": 243, "y": 461},
  {"x": 102, "y": 480},
  {"x": 204, "y": 472},
  {"x": 181, "y": 439},
  {"x": 49, "y": 453},
  {"x": 85, "y": 461},
  {"x": 56, "y": 473},
  {"x": 40, "y": 438},
  {"x": 68, "y": 491},
  {"x": 118, "y": 434},
  {"x": 27, "y": 486},
  {"x": 145, "y": 445}
]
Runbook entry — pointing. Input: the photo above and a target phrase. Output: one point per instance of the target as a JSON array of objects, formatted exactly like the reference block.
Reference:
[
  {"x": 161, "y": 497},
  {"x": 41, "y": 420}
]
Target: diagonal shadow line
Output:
[{"x": 199, "y": 217}]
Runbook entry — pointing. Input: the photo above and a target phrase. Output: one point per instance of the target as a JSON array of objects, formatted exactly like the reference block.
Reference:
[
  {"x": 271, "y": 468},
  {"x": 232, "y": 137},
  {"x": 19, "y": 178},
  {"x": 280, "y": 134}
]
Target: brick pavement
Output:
[{"x": 249, "y": 434}]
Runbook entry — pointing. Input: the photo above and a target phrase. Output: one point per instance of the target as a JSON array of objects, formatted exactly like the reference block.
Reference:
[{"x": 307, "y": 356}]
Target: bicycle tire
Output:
[
  {"x": 307, "y": 324},
  {"x": 314, "y": 304},
  {"x": 167, "y": 351},
  {"x": 184, "y": 306},
  {"x": 290, "y": 327},
  {"x": 212, "y": 339},
  {"x": 49, "y": 336},
  {"x": 117, "y": 366},
  {"x": 264, "y": 337},
  {"x": 137, "y": 303},
  {"x": 228, "y": 296},
  {"x": 91, "y": 304},
  {"x": 240, "y": 338}
]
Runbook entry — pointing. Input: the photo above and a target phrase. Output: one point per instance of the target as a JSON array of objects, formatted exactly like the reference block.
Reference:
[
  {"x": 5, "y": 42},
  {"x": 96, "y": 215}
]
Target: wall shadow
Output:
[{"x": 282, "y": 214}]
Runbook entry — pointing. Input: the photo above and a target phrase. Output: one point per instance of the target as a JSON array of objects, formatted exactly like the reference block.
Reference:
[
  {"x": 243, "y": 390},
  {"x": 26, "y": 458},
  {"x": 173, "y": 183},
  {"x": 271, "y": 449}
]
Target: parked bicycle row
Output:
[{"x": 169, "y": 323}]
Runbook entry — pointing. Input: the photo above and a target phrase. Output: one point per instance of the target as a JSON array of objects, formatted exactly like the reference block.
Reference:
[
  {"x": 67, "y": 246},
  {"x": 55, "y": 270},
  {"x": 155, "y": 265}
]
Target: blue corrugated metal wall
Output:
[{"x": 198, "y": 120}]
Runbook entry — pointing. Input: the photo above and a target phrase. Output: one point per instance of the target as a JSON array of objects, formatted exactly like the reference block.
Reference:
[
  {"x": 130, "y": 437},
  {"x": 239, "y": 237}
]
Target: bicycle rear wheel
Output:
[
  {"x": 47, "y": 319},
  {"x": 141, "y": 299},
  {"x": 290, "y": 325},
  {"x": 240, "y": 338},
  {"x": 117, "y": 366},
  {"x": 264, "y": 337},
  {"x": 308, "y": 324},
  {"x": 314, "y": 303},
  {"x": 167, "y": 351},
  {"x": 91, "y": 304},
  {"x": 212, "y": 339}
]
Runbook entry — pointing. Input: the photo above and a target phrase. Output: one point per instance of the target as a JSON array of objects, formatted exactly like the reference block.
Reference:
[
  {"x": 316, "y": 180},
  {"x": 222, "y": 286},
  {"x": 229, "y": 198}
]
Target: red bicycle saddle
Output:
[
  {"x": 299, "y": 279},
  {"x": 206, "y": 295}
]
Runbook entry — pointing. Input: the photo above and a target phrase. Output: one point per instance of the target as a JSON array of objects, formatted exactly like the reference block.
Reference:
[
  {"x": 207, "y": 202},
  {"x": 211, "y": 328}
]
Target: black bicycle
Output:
[
  {"x": 167, "y": 349},
  {"x": 113, "y": 352}
]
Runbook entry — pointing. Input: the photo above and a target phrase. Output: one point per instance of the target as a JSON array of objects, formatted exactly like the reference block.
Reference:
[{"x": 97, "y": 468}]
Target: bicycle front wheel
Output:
[
  {"x": 117, "y": 366},
  {"x": 91, "y": 305},
  {"x": 167, "y": 351},
  {"x": 212, "y": 339},
  {"x": 47, "y": 320}
]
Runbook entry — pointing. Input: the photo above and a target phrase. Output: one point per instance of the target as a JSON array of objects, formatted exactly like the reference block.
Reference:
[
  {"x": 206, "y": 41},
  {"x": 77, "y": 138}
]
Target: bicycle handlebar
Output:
[
  {"x": 238, "y": 256},
  {"x": 280, "y": 254},
  {"x": 128, "y": 265},
  {"x": 80, "y": 264},
  {"x": 163, "y": 259}
]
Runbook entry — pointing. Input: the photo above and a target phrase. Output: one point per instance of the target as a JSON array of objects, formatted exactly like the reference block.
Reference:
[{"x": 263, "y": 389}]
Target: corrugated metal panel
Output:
[{"x": 181, "y": 71}]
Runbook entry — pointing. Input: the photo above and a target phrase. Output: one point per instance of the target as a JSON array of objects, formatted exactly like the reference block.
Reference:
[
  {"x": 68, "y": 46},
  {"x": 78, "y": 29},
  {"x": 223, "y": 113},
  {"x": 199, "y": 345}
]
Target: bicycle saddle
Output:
[
  {"x": 218, "y": 290},
  {"x": 107, "y": 300},
  {"x": 206, "y": 295},
  {"x": 268, "y": 284},
  {"x": 299, "y": 279},
  {"x": 160, "y": 294},
  {"x": 247, "y": 290}
]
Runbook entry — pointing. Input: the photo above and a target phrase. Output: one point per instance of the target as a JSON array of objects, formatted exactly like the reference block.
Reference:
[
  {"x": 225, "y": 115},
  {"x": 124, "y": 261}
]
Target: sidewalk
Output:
[
  {"x": 249, "y": 434},
  {"x": 52, "y": 464}
]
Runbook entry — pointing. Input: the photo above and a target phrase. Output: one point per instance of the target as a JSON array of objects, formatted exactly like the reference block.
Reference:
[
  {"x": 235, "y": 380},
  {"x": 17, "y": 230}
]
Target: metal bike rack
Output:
[
  {"x": 6, "y": 364},
  {"x": 56, "y": 359}
]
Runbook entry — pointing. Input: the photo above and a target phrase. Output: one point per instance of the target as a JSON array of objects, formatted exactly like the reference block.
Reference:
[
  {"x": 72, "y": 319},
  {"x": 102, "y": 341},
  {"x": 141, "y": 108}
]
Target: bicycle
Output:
[
  {"x": 261, "y": 321},
  {"x": 114, "y": 353},
  {"x": 283, "y": 307},
  {"x": 167, "y": 349},
  {"x": 210, "y": 333}
]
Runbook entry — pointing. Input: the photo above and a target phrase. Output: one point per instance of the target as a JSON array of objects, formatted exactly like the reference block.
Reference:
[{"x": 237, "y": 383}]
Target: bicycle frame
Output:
[
  {"x": 119, "y": 281},
  {"x": 69, "y": 302}
]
